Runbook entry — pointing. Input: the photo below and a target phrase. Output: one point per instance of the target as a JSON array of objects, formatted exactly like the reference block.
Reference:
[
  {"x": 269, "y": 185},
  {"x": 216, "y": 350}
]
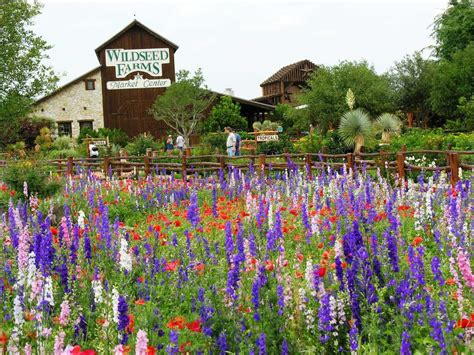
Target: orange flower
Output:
[
  {"x": 298, "y": 274},
  {"x": 140, "y": 302},
  {"x": 177, "y": 322},
  {"x": 131, "y": 324},
  {"x": 269, "y": 265},
  {"x": 450, "y": 281},
  {"x": 171, "y": 266},
  {"x": 101, "y": 321}
]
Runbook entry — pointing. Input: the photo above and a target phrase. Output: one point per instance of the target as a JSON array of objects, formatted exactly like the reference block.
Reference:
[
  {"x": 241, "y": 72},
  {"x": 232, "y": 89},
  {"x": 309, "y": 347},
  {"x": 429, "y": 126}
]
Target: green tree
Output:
[
  {"x": 412, "y": 79},
  {"x": 184, "y": 103},
  {"x": 451, "y": 81},
  {"x": 23, "y": 74},
  {"x": 454, "y": 28},
  {"x": 466, "y": 107},
  {"x": 325, "y": 96},
  {"x": 225, "y": 113}
]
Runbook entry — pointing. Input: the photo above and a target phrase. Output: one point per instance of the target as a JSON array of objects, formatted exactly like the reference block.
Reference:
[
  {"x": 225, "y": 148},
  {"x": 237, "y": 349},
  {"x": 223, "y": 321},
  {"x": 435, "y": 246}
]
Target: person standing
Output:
[
  {"x": 169, "y": 145},
  {"x": 230, "y": 141},
  {"x": 237, "y": 143},
  {"x": 180, "y": 143}
]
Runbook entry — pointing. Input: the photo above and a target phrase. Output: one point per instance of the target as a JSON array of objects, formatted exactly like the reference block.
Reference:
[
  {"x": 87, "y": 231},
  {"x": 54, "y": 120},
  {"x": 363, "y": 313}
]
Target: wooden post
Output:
[
  {"x": 401, "y": 165},
  {"x": 106, "y": 166},
  {"x": 70, "y": 165},
  {"x": 350, "y": 160},
  {"x": 454, "y": 165},
  {"x": 146, "y": 160},
  {"x": 383, "y": 159},
  {"x": 309, "y": 163},
  {"x": 221, "y": 163},
  {"x": 183, "y": 166},
  {"x": 261, "y": 162}
]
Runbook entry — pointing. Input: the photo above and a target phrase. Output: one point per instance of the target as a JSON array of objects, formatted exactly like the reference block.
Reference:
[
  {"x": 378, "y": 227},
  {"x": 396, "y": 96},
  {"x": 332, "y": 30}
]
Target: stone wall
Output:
[{"x": 73, "y": 103}]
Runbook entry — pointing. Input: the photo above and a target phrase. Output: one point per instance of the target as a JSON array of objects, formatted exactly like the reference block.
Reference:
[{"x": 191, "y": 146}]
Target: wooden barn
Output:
[
  {"x": 135, "y": 66},
  {"x": 281, "y": 87}
]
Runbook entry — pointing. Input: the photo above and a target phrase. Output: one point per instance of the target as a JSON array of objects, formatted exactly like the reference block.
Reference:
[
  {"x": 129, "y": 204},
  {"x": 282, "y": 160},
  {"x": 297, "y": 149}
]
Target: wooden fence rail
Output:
[{"x": 394, "y": 162}]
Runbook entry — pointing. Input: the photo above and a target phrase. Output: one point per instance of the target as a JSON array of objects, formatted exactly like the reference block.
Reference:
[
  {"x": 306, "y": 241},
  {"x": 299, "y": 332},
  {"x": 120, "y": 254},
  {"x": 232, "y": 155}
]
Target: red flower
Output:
[
  {"x": 171, "y": 266},
  {"x": 150, "y": 350},
  {"x": 177, "y": 223},
  {"x": 294, "y": 212},
  {"x": 465, "y": 323},
  {"x": 3, "y": 339},
  {"x": 54, "y": 231},
  {"x": 177, "y": 323},
  {"x": 417, "y": 241},
  {"x": 136, "y": 236},
  {"x": 140, "y": 302},
  {"x": 269, "y": 265},
  {"x": 194, "y": 326},
  {"x": 322, "y": 272},
  {"x": 300, "y": 256}
]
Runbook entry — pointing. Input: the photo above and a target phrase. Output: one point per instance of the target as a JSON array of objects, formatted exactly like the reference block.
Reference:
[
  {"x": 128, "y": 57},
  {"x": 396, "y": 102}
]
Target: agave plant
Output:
[
  {"x": 355, "y": 128},
  {"x": 388, "y": 124},
  {"x": 257, "y": 126}
]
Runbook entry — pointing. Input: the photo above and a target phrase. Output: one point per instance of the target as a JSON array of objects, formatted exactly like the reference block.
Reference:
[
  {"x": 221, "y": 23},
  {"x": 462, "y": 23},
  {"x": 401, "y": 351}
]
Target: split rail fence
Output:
[{"x": 394, "y": 163}]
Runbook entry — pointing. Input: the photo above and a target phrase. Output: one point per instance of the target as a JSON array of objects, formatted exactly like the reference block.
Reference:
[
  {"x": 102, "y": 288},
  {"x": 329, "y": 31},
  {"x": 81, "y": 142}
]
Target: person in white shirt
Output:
[
  {"x": 230, "y": 141},
  {"x": 180, "y": 143}
]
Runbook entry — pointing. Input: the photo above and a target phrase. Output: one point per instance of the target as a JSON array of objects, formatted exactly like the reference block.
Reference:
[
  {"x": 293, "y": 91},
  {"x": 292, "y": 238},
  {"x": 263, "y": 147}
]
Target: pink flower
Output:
[
  {"x": 142, "y": 343},
  {"x": 65, "y": 311},
  {"x": 59, "y": 343},
  {"x": 465, "y": 267}
]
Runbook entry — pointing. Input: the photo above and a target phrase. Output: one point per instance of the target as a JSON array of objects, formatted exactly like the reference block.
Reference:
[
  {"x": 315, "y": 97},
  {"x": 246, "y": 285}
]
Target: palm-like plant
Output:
[
  {"x": 355, "y": 128},
  {"x": 388, "y": 124}
]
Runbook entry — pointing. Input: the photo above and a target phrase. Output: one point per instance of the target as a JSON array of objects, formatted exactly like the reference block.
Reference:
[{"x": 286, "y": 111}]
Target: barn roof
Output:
[
  {"x": 299, "y": 71},
  {"x": 72, "y": 82},
  {"x": 143, "y": 27}
]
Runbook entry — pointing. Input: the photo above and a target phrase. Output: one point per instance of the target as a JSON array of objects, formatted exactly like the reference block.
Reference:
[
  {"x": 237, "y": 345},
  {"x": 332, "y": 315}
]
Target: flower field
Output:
[{"x": 240, "y": 264}]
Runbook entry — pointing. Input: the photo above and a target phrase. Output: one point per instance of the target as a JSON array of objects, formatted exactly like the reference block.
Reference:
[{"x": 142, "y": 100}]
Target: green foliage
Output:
[
  {"x": 466, "y": 107},
  {"x": 436, "y": 139},
  {"x": 266, "y": 125},
  {"x": 454, "y": 28},
  {"x": 62, "y": 143},
  {"x": 36, "y": 176},
  {"x": 283, "y": 145},
  {"x": 23, "y": 76},
  {"x": 225, "y": 113},
  {"x": 215, "y": 141},
  {"x": 184, "y": 103},
  {"x": 355, "y": 128},
  {"x": 412, "y": 79},
  {"x": 116, "y": 136},
  {"x": 312, "y": 143},
  {"x": 453, "y": 80},
  {"x": 141, "y": 143},
  {"x": 44, "y": 140},
  {"x": 30, "y": 129},
  {"x": 327, "y": 89},
  {"x": 387, "y": 125}
]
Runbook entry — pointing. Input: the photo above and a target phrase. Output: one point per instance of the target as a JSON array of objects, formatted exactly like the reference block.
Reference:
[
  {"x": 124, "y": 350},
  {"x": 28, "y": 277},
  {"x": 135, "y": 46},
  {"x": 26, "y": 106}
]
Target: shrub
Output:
[
  {"x": 116, "y": 136},
  {"x": 30, "y": 129},
  {"x": 283, "y": 145},
  {"x": 62, "y": 143},
  {"x": 36, "y": 176},
  {"x": 141, "y": 143},
  {"x": 215, "y": 141}
]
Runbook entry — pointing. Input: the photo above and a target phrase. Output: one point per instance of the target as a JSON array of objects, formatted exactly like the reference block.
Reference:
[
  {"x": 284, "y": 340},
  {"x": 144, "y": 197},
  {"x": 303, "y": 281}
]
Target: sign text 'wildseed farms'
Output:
[{"x": 127, "y": 61}]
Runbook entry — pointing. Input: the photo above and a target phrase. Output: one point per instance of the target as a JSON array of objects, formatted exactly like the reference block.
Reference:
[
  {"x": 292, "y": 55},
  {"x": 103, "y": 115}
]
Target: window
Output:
[
  {"x": 65, "y": 129},
  {"x": 90, "y": 84},
  {"x": 84, "y": 125}
]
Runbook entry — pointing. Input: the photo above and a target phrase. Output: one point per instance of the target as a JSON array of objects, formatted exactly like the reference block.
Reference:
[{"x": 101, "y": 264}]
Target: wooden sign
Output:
[{"x": 267, "y": 138}]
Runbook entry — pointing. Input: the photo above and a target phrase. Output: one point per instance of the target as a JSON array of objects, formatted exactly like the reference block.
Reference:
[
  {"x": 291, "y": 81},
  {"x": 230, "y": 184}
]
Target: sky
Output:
[{"x": 239, "y": 43}]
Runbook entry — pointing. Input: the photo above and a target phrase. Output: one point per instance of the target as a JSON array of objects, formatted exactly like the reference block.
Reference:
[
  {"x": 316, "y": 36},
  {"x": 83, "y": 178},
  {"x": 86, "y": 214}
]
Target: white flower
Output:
[{"x": 125, "y": 256}]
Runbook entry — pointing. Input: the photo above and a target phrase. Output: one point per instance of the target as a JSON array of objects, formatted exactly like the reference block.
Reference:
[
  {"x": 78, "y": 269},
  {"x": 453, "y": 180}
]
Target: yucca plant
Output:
[
  {"x": 388, "y": 124},
  {"x": 355, "y": 128}
]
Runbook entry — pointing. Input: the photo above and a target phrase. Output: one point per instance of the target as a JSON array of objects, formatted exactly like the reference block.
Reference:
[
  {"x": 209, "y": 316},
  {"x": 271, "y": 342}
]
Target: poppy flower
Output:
[
  {"x": 194, "y": 326},
  {"x": 3, "y": 339},
  {"x": 322, "y": 272},
  {"x": 417, "y": 240},
  {"x": 140, "y": 302},
  {"x": 450, "y": 281},
  {"x": 171, "y": 266},
  {"x": 465, "y": 323},
  {"x": 300, "y": 257},
  {"x": 177, "y": 223},
  {"x": 54, "y": 230},
  {"x": 177, "y": 322},
  {"x": 150, "y": 350},
  {"x": 131, "y": 324},
  {"x": 269, "y": 265}
]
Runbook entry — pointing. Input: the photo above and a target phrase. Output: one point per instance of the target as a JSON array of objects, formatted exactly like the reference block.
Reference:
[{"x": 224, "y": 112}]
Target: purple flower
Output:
[
  {"x": 353, "y": 338},
  {"x": 284, "y": 347},
  {"x": 255, "y": 298},
  {"x": 229, "y": 242},
  {"x": 222, "y": 343},
  {"x": 281, "y": 299},
  {"x": 324, "y": 314},
  {"x": 193, "y": 210},
  {"x": 405, "y": 347},
  {"x": 435, "y": 267},
  {"x": 123, "y": 313},
  {"x": 262, "y": 344}
]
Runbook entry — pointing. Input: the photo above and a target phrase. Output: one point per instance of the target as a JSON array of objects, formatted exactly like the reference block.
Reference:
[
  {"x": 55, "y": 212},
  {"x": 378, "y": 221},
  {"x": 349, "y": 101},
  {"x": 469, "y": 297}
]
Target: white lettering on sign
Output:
[
  {"x": 138, "y": 83},
  {"x": 267, "y": 137},
  {"x": 127, "y": 61}
]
